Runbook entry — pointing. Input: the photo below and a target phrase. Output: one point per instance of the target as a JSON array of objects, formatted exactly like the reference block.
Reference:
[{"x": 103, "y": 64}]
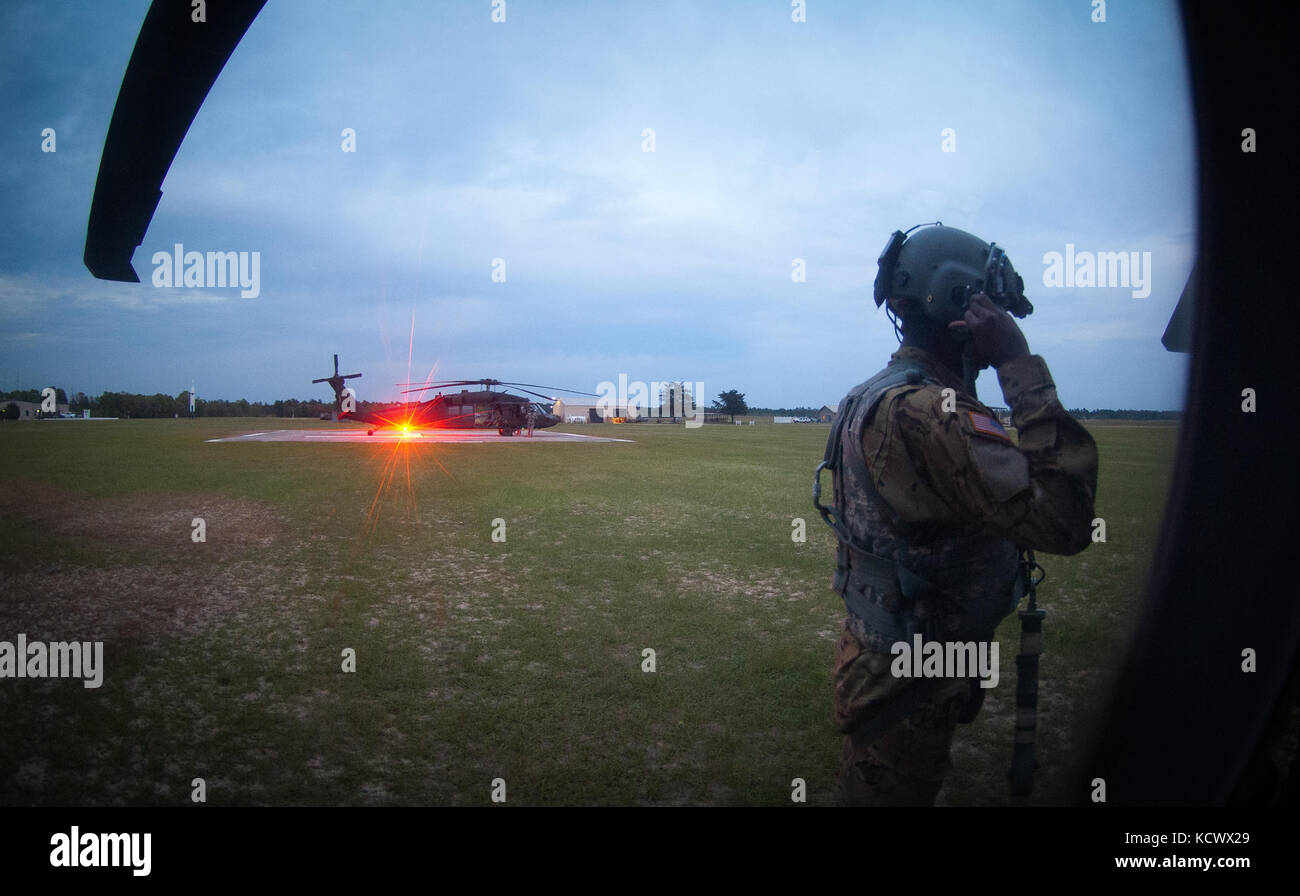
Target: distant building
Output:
[
  {"x": 827, "y": 413},
  {"x": 29, "y": 410},
  {"x": 597, "y": 413}
]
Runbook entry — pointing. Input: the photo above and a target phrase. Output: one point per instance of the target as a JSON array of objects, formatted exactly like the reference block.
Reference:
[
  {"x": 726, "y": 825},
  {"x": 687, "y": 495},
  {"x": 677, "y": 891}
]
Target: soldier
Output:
[
  {"x": 532, "y": 419},
  {"x": 934, "y": 501}
]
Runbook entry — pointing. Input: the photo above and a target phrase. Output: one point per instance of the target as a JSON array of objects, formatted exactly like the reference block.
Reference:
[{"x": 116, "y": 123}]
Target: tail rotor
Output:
[{"x": 336, "y": 383}]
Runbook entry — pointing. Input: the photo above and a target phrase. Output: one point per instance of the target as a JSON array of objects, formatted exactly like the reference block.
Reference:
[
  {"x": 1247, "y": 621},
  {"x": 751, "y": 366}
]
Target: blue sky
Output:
[{"x": 522, "y": 140}]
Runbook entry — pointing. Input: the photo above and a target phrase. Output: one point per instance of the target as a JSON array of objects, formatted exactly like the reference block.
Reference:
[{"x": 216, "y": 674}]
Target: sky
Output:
[{"x": 525, "y": 141}]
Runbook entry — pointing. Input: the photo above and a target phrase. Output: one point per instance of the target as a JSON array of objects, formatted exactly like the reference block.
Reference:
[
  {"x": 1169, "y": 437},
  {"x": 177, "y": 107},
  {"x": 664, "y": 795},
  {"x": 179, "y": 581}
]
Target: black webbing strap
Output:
[
  {"x": 831, "y": 461},
  {"x": 1023, "y": 762},
  {"x": 883, "y": 575}
]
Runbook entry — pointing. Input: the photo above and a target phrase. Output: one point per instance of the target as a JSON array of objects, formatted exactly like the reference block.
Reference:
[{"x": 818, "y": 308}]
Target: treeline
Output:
[
  {"x": 785, "y": 412},
  {"x": 1113, "y": 414},
  {"x": 127, "y": 404},
  {"x": 131, "y": 405},
  {"x": 32, "y": 395},
  {"x": 1077, "y": 413}
]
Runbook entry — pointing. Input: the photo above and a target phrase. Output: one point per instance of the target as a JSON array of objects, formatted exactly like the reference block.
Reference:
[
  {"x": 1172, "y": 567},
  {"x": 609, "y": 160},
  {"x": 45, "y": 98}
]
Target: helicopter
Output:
[{"x": 503, "y": 411}]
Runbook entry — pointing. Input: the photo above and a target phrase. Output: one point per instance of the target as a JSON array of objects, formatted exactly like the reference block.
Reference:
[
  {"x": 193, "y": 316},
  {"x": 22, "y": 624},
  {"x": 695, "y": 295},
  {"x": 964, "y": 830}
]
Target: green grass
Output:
[{"x": 477, "y": 659}]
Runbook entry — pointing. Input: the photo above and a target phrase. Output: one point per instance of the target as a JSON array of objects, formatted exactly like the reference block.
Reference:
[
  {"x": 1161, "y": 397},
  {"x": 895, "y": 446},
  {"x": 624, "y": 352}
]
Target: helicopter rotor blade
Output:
[
  {"x": 454, "y": 383},
  {"x": 553, "y": 389},
  {"x": 491, "y": 382},
  {"x": 347, "y": 376},
  {"x": 540, "y": 395}
]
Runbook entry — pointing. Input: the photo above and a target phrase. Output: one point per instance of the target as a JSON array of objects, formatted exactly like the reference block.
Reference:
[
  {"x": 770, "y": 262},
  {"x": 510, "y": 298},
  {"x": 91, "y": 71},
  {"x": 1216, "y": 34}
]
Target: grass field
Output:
[{"x": 478, "y": 659}]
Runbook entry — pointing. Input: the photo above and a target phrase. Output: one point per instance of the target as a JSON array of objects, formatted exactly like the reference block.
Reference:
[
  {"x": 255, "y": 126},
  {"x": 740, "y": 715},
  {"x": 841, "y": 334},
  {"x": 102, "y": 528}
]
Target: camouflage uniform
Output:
[{"x": 950, "y": 497}]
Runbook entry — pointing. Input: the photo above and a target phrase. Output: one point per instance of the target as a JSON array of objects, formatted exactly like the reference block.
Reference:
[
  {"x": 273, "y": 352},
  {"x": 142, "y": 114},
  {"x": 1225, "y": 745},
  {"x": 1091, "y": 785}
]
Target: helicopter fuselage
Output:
[{"x": 483, "y": 409}]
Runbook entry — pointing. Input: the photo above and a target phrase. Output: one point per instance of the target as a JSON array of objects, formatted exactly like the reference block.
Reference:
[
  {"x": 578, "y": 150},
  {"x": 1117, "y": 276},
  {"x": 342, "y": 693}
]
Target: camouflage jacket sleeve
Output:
[{"x": 935, "y": 461}]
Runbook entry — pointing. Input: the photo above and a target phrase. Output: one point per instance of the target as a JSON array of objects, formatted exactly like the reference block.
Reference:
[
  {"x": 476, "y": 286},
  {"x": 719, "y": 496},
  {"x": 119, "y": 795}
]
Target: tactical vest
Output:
[{"x": 946, "y": 581}]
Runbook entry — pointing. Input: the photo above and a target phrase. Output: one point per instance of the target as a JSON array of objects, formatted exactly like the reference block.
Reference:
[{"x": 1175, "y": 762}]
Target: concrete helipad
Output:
[{"x": 439, "y": 436}]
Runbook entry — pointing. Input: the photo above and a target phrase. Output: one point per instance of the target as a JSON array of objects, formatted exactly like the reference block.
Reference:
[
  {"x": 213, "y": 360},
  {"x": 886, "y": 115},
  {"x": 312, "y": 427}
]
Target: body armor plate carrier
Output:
[{"x": 949, "y": 581}]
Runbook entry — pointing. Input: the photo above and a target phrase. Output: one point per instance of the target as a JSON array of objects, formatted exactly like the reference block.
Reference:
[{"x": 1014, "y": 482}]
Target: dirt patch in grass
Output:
[
  {"x": 774, "y": 586},
  {"x": 182, "y": 588},
  {"x": 161, "y": 520},
  {"x": 143, "y": 606}
]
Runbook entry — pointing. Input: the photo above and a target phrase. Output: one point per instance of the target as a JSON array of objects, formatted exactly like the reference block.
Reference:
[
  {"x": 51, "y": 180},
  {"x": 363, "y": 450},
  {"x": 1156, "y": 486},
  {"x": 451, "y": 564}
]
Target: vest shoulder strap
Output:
[{"x": 860, "y": 401}]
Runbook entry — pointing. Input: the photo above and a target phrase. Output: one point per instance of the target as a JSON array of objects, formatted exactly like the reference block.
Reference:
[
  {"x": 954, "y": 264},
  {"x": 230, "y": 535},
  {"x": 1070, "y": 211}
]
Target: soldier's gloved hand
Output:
[{"x": 993, "y": 331}]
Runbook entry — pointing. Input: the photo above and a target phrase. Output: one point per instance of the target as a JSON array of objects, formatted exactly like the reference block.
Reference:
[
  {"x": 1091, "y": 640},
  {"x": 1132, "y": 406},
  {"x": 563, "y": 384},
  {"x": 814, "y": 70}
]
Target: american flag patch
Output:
[{"x": 987, "y": 425}]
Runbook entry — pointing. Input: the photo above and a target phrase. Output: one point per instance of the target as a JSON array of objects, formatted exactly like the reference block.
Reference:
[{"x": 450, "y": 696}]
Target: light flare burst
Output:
[{"x": 391, "y": 486}]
